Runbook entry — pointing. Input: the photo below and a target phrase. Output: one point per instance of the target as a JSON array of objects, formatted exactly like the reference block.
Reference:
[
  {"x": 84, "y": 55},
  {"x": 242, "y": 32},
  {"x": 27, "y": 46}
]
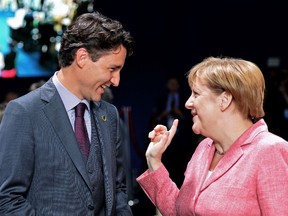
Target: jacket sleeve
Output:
[
  {"x": 160, "y": 189},
  {"x": 272, "y": 180},
  {"x": 16, "y": 161},
  {"x": 122, "y": 207}
]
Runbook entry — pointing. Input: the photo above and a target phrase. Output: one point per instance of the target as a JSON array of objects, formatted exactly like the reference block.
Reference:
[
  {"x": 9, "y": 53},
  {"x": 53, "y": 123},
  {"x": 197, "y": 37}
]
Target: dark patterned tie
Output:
[{"x": 80, "y": 129}]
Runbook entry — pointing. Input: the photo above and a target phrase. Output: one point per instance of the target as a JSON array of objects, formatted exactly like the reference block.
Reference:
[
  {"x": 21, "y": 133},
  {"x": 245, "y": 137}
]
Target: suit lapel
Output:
[
  {"x": 57, "y": 115},
  {"x": 224, "y": 165},
  {"x": 103, "y": 122},
  {"x": 234, "y": 153}
]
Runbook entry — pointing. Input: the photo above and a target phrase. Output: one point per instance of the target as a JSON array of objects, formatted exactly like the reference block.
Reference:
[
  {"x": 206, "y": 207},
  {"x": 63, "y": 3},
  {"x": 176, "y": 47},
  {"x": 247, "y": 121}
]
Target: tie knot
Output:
[{"x": 80, "y": 109}]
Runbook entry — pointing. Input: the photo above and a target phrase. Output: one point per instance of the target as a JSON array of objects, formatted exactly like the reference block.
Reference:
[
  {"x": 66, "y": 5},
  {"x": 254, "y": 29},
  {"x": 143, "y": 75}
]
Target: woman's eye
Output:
[{"x": 195, "y": 94}]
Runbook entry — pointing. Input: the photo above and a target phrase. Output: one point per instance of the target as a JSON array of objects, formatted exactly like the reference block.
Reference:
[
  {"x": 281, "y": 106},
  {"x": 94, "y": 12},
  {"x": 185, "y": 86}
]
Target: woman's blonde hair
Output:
[{"x": 242, "y": 79}]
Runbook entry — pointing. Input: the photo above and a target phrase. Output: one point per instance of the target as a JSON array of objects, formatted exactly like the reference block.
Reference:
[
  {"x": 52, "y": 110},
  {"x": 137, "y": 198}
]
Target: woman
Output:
[{"x": 240, "y": 168}]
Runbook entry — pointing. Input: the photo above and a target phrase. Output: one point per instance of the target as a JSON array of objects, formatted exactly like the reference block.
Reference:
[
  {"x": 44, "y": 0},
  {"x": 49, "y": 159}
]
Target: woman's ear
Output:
[{"x": 225, "y": 100}]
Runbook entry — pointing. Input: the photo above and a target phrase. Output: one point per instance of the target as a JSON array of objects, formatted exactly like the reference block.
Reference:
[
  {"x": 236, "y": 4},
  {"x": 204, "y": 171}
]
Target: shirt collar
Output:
[{"x": 69, "y": 99}]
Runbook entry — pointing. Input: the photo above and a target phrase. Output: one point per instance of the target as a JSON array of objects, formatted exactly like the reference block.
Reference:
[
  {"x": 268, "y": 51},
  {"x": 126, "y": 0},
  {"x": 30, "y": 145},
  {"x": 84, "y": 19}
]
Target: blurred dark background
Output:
[{"x": 170, "y": 39}]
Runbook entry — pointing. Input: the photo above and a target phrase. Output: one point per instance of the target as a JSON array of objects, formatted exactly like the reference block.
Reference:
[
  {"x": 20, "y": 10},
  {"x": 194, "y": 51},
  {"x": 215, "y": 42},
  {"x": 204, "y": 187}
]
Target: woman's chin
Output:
[{"x": 195, "y": 129}]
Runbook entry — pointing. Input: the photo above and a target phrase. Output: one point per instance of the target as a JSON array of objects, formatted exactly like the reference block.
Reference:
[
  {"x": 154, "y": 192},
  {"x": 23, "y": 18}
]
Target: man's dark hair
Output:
[{"x": 96, "y": 33}]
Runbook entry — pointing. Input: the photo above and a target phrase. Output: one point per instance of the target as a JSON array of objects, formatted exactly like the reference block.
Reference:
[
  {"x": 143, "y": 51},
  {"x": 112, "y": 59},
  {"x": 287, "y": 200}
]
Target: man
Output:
[{"x": 43, "y": 171}]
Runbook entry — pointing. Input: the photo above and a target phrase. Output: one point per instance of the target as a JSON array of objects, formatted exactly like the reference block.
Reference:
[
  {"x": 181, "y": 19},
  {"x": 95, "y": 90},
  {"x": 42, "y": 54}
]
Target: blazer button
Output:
[{"x": 90, "y": 207}]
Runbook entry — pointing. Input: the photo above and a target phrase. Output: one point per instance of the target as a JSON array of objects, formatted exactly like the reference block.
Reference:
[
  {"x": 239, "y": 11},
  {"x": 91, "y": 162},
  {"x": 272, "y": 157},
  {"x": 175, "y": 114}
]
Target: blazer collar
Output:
[{"x": 234, "y": 153}]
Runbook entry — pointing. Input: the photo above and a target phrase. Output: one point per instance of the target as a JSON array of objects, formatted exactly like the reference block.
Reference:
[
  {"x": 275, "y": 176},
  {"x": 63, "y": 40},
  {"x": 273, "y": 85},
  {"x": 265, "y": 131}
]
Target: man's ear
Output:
[
  {"x": 81, "y": 57},
  {"x": 225, "y": 100}
]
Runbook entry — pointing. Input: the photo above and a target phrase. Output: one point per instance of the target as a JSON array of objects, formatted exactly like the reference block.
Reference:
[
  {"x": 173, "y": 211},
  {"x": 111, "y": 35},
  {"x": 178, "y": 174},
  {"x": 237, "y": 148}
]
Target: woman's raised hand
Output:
[{"x": 160, "y": 139}]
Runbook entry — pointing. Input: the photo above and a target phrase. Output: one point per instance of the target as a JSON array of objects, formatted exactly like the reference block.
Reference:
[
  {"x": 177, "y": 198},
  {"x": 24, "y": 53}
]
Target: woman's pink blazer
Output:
[{"x": 250, "y": 180}]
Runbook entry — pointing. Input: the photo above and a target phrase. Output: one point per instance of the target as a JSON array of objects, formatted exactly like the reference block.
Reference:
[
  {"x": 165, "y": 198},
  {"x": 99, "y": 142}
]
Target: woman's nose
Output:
[{"x": 189, "y": 103}]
